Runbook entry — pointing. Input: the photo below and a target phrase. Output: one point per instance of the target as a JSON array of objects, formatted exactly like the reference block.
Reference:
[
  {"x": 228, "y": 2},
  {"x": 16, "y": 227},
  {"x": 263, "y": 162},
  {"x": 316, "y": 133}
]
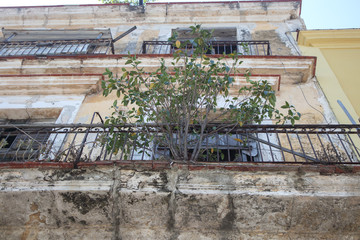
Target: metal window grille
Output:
[{"x": 258, "y": 48}]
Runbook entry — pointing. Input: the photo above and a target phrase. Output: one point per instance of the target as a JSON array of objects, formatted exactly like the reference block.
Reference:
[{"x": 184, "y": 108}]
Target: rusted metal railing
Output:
[
  {"x": 55, "y": 47},
  {"x": 259, "y": 48},
  {"x": 329, "y": 144}
]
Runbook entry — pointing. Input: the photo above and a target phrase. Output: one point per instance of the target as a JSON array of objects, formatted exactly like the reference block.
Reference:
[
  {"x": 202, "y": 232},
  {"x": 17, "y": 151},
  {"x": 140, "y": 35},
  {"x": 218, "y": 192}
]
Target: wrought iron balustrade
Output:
[
  {"x": 55, "y": 47},
  {"x": 259, "y": 48},
  {"x": 330, "y": 144}
]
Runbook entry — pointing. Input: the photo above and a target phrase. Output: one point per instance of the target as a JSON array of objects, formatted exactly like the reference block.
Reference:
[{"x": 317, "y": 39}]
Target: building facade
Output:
[{"x": 290, "y": 182}]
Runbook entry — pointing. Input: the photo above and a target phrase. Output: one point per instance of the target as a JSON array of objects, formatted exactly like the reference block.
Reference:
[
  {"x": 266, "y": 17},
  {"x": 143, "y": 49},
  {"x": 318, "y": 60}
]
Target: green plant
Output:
[
  {"x": 184, "y": 99},
  {"x": 3, "y": 143}
]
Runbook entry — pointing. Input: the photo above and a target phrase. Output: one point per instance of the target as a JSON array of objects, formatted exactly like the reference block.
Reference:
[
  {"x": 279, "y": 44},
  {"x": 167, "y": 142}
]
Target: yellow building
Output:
[{"x": 337, "y": 68}]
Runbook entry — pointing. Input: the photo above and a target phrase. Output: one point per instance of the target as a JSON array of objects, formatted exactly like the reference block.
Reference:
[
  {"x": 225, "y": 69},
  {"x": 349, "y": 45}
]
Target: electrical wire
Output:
[{"x": 299, "y": 85}]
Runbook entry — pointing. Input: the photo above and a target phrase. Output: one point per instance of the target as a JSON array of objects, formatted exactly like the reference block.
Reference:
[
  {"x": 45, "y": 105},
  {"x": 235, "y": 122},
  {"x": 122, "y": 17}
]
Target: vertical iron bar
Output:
[
  {"x": 207, "y": 149},
  {"x": 337, "y": 155},
  {"x": 228, "y": 147},
  {"x": 144, "y": 47},
  {"x": 92, "y": 148},
  {"x": 108, "y": 47},
  {"x": 302, "y": 149},
  {"x": 103, "y": 146},
  {"x": 6, "y": 138},
  {"x": 63, "y": 141},
  {"x": 217, "y": 147},
  {"x": 71, "y": 145},
  {"x": 123, "y": 147},
  {"x": 143, "y": 153},
  {"x": 51, "y": 145},
  {"x": 281, "y": 148},
  {"x": 271, "y": 152},
  {"x": 248, "y": 145},
  {"x": 347, "y": 153},
  {"x": 312, "y": 146},
  {"x": 36, "y": 137},
  {"x": 354, "y": 146},
  {"x": 133, "y": 147},
  {"x": 264, "y": 51},
  {"x": 292, "y": 150},
  {"x": 259, "y": 147},
  {"x": 323, "y": 147},
  {"x": 159, "y": 51},
  {"x": 112, "y": 150}
]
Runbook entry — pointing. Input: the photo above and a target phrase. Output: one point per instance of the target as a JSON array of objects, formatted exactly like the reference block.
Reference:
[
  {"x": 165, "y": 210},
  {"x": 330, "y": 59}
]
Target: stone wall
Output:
[
  {"x": 254, "y": 20},
  {"x": 180, "y": 202}
]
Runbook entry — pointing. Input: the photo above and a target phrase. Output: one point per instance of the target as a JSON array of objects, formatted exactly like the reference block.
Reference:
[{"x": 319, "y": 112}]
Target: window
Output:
[
  {"x": 219, "y": 148},
  {"x": 19, "y": 142},
  {"x": 223, "y": 40}
]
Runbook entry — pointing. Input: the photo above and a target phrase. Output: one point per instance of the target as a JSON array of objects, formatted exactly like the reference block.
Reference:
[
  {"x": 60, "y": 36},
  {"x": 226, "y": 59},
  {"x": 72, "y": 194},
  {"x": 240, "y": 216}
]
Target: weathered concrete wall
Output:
[
  {"x": 99, "y": 15},
  {"x": 293, "y": 202},
  {"x": 253, "y": 20},
  {"x": 64, "y": 75},
  {"x": 33, "y": 77}
]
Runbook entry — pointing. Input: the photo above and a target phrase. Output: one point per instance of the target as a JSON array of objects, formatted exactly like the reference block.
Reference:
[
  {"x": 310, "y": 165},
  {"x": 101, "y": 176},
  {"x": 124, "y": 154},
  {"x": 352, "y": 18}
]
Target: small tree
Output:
[{"x": 183, "y": 100}]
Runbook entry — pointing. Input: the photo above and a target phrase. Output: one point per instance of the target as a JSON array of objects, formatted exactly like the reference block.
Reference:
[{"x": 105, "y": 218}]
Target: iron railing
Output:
[
  {"x": 259, "y": 48},
  {"x": 329, "y": 144},
  {"x": 55, "y": 48}
]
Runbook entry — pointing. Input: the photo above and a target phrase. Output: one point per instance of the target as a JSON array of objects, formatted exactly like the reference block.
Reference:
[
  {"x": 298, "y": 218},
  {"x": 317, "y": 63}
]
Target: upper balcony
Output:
[
  {"x": 247, "y": 48},
  {"x": 251, "y": 22},
  {"x": 40, "y": 43},
  {"x": 47, "y": 43}
]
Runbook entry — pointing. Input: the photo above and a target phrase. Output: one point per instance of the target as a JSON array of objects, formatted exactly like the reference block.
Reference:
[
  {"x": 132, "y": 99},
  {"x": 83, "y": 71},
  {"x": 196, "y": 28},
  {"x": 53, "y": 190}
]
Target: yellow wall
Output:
[
  {"x": 345, "y": 63},
  {"x": 338, "y": 67}
]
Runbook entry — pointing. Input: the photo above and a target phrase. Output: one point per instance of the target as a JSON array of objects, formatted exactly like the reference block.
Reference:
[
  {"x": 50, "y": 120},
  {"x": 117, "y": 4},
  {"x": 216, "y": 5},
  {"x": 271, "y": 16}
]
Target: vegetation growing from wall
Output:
[{"x": 186, "y": 99}]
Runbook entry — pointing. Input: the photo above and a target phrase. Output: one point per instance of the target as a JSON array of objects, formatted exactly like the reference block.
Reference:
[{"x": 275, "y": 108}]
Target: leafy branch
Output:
[{"x": 185, "y": 99}]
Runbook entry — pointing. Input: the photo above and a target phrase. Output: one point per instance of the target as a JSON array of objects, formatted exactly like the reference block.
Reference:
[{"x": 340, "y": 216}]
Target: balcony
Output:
[
  {"x": 305, "y": 144},
  {"x": 55, "y": 48},
  {"x": 53, "y": 42},
  {"x": 248, "y": 48}
]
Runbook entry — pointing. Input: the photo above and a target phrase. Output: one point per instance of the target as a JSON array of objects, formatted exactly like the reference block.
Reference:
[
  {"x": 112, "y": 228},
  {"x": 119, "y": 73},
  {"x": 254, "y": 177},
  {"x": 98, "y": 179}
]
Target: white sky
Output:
[{"x": 318, "y": 14}]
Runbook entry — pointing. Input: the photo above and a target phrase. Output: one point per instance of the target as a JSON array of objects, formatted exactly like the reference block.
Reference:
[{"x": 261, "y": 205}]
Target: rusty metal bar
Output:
[
  {"x": 124, "y": 34},
  {"x": 54, "y": 48},
  {"x": 62, "y": 142}
]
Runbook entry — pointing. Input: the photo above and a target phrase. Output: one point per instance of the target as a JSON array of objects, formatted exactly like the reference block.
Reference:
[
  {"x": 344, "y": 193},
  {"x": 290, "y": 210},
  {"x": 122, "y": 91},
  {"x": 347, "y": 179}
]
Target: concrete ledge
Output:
[
  {"x": 292, "y": 69},
  {"x": 324, "y": 169}
]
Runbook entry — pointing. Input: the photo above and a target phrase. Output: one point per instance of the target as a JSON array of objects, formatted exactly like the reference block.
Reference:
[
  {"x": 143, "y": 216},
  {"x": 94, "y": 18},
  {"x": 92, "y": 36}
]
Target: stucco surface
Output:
[{"x": 176, "y": 203}]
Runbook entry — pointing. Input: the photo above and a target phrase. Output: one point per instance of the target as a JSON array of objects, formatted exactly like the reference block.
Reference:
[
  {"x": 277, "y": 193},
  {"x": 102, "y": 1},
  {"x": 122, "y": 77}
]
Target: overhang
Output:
[
  {"x": 49, "y": 84},
  {"x": 292, "y": 69},
  {"x": 340, "y": 38}
]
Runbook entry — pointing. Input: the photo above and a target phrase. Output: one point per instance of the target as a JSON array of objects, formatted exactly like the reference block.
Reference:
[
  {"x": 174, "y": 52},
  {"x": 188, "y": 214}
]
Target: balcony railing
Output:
[
  {"x": 259, "y": 48},
  {"x": 326, "y": 144},
  {"x": 55, "y": 48}
]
